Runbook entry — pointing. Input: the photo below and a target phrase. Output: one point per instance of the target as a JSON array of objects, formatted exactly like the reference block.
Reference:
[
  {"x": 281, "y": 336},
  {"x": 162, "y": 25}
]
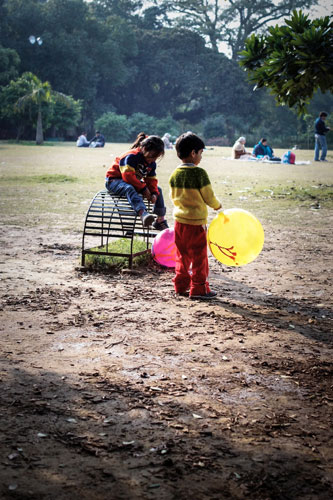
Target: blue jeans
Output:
[
  {"x": 320, "y": 144},
  {"x": 122, "y": 188}
]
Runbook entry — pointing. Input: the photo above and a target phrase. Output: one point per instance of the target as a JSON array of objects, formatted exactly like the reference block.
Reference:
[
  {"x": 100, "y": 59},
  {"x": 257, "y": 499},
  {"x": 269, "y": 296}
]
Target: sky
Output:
[{"x": 324, "y": 8}]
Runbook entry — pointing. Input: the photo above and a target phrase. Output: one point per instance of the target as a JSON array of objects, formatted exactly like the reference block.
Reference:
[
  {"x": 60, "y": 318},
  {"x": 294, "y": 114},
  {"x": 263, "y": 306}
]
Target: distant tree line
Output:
[{"x": 125, "y": 68}]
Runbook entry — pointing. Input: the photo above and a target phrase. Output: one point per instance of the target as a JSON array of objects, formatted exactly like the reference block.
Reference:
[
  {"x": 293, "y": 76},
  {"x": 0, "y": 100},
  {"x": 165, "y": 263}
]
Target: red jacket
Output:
[{"x": 133, "y": 169}]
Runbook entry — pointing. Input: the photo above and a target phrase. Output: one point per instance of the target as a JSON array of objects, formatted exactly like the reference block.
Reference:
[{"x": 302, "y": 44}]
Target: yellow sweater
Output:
[{"x": 191, "y": 192}]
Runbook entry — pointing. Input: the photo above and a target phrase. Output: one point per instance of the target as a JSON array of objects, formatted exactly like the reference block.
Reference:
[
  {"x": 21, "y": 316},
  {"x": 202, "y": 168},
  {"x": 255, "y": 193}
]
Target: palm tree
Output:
[{"x": 40, "y": 93}]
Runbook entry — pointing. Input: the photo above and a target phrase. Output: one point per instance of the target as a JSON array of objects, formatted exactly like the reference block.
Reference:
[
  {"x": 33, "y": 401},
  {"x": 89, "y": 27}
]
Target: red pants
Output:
[{"x": 191, "y": 245}]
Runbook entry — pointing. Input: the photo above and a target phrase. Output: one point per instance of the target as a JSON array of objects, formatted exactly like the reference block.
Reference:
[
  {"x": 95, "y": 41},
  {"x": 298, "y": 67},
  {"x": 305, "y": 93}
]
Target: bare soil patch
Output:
[{"x": 112, "y": 388}]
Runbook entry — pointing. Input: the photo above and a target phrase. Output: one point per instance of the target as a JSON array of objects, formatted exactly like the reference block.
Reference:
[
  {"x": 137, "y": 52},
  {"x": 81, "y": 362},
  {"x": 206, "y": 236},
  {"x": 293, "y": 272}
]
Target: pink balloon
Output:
[{"x": 163, "y": 248}]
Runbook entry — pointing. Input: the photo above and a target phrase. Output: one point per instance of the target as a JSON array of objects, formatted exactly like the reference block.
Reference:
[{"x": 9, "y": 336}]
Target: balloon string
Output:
[{"x": 231, "y": 254}]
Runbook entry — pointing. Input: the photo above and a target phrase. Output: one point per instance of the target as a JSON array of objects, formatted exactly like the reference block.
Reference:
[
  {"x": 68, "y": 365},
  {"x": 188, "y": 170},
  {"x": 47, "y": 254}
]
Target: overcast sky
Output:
[{"x": 324, "y": 8}]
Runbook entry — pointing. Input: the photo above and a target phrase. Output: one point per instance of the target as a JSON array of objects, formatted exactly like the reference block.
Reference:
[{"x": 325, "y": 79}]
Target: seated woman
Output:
[
  {"x": 167, "y": 142},
  {"x": 263, "y": 151},
  {"x": 82, "y": 141},
  {"x": 239, "y": 151}
]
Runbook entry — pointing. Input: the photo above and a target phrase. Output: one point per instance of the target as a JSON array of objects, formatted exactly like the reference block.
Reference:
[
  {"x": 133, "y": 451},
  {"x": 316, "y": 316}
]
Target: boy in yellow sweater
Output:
[{"x": 191, "y": 192}]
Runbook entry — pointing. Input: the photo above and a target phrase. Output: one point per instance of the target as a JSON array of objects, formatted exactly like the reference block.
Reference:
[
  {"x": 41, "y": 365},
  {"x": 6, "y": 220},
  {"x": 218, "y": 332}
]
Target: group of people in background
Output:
[
  {"x": 98, "y": 141},
  {"x": 263, "y": 151}
]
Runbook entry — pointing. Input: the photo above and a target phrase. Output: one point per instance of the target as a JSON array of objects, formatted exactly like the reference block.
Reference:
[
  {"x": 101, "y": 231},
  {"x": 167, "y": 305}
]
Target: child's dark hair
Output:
[
  {"x": 151, "y": 143},
  {"x": 322, "y": 113},
  {"x": 186, "y": 143},
  {"x": 263, "y": 139}
]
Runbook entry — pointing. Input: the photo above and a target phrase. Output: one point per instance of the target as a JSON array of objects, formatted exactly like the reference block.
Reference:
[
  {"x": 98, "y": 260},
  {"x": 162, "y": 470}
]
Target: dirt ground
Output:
[{"x": 112, "y": 388}]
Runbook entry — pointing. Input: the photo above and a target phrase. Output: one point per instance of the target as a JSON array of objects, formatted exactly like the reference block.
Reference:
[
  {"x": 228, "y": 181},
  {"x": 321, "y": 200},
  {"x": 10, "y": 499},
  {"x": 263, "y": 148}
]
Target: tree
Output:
[
  {"x": 60, "y": 114},
  {"x": 66, "y": 115},
  {"x": 122, "y": 8},
  {"x": 39, "y": 93},
  {"x": 84, "y": 55},
  {"x": 9, "y": 64},
  {"x": 214, "y": 126},
  {"x": 11, "y": 116},
  {"x": 242, "y": 18},
  {"x": 293, "y": 61},
  {"x": 229, "y": 21}
]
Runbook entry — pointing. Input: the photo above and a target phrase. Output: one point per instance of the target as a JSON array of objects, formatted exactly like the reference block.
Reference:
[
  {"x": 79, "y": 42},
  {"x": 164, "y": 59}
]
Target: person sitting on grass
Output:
[
  {"x": 98, "y": 141},
  {"x": 191, "y": 192},
  {"x": 167, "y": 143},
  {"x": 133, "y": 174},
  {"x": 82, "y": 141},
  {"x": 239, "y": 151},
  {"x": 263, "y": 151}
]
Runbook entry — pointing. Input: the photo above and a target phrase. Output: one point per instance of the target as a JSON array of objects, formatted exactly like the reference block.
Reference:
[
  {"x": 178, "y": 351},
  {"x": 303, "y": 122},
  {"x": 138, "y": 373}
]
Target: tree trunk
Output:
[
  {"x": 39, "y": 129},
  {"x": 20, "y": 131}
]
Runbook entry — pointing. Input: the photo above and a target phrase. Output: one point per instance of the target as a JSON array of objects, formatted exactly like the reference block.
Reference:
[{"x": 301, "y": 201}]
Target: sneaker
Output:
[
  {"x": 207, "y": 296},
  {"x": 324, "y": 160},
  {"x": 147, "y": 219},
  {"x": 159, "y": 226},
  {"x": 182, "y": 294}
]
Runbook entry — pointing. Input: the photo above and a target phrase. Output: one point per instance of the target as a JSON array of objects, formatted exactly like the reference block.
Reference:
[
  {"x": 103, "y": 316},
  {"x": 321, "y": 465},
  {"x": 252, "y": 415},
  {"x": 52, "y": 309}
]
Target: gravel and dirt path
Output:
[{"x": 113, "y": 389}]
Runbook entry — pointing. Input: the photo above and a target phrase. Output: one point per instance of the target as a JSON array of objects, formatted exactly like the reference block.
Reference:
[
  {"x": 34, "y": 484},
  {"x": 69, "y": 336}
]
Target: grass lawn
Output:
[{"x": 52, "y": 185}]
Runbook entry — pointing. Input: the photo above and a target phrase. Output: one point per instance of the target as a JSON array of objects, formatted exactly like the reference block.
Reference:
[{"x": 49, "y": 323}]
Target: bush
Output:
[
  {"x": 116, "y": 128},
  {"x": 214, "y": 126},
  {"x": 169, "y": 125},
  {"x": 140, "y": 122}
]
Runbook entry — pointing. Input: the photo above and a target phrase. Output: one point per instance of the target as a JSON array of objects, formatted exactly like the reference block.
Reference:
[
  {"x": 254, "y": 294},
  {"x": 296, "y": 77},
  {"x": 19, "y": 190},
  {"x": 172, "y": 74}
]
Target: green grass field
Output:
[{"x": 52, "y": 185}]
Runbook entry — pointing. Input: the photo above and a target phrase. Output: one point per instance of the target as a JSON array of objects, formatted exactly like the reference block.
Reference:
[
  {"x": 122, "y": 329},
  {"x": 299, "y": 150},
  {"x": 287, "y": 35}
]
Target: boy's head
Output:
[
  {"x": 323, "y": 115},
  {"x": 186, "y": 143},
  {"x": 263, "y": 141}
]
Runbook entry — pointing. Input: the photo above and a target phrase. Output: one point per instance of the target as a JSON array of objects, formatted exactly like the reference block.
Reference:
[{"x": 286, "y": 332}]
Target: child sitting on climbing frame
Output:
[{"x": 134, "y": 174}]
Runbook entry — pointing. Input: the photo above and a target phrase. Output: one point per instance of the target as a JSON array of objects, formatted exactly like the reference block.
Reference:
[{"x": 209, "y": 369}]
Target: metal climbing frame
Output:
[{"x": 111, "y": 217}]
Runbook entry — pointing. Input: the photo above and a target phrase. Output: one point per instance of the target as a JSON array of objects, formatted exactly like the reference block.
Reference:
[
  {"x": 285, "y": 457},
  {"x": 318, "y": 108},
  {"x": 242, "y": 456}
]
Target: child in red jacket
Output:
[{"x": 134, "y": 174}]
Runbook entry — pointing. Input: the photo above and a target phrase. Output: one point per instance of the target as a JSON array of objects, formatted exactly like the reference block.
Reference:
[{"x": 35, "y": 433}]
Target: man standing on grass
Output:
[{"x": 320, "y": 139}]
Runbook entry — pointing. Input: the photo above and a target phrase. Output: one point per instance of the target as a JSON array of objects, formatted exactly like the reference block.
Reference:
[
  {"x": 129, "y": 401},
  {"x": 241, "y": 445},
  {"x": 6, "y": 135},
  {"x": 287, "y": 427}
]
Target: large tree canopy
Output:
[
  {"x": 9, "y": 64},
  {"x": 137, "y": 58},
  {"x": 293, "y": 61},
  {"x": 229, "y": 21}
]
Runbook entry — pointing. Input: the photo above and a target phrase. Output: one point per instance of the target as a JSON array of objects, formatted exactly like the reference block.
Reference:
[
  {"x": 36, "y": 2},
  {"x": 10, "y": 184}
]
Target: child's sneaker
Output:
[
  {"x": 160, "y": 226},
  {"x": 207, "y": 296},
  {"x": 147, "y": 219}
]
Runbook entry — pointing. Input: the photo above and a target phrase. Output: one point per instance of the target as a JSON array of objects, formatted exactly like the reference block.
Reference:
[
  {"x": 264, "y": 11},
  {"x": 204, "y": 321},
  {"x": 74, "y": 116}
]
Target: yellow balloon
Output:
[{"x": 235, "y": 237}]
